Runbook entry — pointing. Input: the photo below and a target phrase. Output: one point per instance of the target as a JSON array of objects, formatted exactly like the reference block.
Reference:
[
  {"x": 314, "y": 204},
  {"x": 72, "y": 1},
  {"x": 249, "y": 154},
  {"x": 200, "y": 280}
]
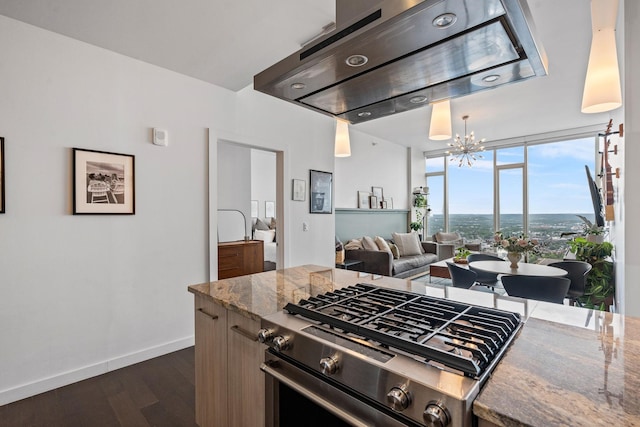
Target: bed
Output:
[{"x": 265, "y": 229}]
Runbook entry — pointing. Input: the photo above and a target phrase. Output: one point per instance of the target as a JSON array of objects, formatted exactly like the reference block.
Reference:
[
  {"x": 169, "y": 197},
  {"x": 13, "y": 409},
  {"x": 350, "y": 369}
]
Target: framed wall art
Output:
[
  {"x": 2, "y": 210},
  {"x": 254, "y": 209},
  {"x": 299, "y": 190},
  {"x": 377, "y": 191},
  {"x": 103, "y": 182},
  {"x": 269, "y": 209},
  {"x": 363, "y": 199},
  {"x": 320, "y": 192}
]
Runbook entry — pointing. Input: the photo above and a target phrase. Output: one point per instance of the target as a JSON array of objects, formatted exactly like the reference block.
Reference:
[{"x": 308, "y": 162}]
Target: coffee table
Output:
[{"x": 440, "y": 269}]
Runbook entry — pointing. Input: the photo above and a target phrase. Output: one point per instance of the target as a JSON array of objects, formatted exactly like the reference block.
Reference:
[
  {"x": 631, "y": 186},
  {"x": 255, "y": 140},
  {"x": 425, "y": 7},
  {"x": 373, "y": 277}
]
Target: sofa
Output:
[{"x": 401, "y": 256}]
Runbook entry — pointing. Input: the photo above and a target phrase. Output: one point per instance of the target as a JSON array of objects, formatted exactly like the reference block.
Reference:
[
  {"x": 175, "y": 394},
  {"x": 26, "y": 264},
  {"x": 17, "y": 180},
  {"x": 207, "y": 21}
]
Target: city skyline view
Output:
[{"x": 557, "y": 181}]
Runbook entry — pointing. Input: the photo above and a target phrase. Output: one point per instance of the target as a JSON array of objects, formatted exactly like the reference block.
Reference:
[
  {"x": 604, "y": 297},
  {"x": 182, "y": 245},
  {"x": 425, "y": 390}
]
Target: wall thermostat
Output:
[{"x": 160, "y": 137}]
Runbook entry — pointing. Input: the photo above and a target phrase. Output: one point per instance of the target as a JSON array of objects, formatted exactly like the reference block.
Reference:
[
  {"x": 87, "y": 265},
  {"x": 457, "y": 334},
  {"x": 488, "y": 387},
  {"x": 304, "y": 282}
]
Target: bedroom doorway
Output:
[{"x": 250, "y": 179}]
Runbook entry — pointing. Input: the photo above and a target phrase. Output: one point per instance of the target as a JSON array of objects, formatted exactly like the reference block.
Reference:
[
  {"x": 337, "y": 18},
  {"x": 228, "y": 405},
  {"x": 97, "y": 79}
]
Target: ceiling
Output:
[{"x": 227, "y": 42}]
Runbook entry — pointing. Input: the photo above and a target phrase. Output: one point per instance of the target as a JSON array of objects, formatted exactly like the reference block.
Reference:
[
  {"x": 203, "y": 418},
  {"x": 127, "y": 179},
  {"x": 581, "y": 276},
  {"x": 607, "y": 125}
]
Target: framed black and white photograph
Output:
[
  {"x": 299, "y": 190},
  {"x": 377, "y": 191},
  {"x": 363, "y": 199},
  {"x": 2, "y": 210},
  {"x": 103, "y": 182},
  {"x": 389, "y": 201},
  {"x": 255, "y": 210},
  {"x": 320, "y": 192},
  {"x": 269, "y": 209},
  {"x": 373, "y": 202}
]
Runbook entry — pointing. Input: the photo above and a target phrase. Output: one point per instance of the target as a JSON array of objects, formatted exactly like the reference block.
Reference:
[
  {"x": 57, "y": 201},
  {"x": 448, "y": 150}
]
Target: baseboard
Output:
[{"x": 70, "y": 377}]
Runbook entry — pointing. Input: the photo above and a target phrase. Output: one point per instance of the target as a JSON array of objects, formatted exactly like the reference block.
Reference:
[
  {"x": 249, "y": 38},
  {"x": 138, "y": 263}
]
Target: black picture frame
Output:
[
  {"x": 321, "y": 192},
  {"x": 2, "y": 198},
  {"x": 103, "y": 183}
]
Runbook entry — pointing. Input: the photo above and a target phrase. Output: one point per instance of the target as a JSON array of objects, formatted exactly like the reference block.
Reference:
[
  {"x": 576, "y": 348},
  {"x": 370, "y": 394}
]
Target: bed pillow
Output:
[
  {"x": 260, "y": 225},
  {"x": 382, "y": 244},
  {"x": 369, "y": 244},
  {"x": 266, "y": 236},
  {"x": 407, "y": 243}
]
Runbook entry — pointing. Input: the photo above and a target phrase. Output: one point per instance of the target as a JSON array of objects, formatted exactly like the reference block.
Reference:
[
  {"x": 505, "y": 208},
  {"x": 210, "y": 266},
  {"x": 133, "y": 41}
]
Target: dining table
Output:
[{"x": 524, "y": 269}]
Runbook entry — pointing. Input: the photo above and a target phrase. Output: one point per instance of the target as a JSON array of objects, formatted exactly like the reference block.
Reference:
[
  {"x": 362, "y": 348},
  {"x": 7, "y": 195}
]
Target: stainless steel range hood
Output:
[{"x": 390, "y": 56}]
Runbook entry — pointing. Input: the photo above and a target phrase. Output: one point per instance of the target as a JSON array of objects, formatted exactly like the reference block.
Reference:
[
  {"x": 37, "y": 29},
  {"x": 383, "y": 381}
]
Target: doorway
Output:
[{"x": 248, "y": 179}]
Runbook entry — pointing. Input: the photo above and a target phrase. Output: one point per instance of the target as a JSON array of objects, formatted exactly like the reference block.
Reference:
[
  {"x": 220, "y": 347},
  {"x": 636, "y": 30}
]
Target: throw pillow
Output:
[
  {"x": 408, "y": 244},
  {"x": 272, "y": 225},
  {"x": 394, "y": 251},
  {"x": 260, "y": 225},
  {"x": 353, "y": 244},
  {"x": 369, "y": 244},
  {"x": 382, "y": 244},
  {"x": 266, "y": 236}
]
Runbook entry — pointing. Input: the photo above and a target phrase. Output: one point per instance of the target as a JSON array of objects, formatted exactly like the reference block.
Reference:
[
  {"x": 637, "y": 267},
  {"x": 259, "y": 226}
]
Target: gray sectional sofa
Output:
[{"x": 401, "y": 266}]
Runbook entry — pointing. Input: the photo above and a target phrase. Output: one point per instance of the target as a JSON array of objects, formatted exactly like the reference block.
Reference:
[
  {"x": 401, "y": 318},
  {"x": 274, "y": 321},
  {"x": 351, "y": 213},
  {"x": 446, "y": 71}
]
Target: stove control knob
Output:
[
  {"x": 265, "y": 335},
  {"x": 281, "y": 343},
  {"x": 399, "y": 399},
  {"x": 436, "y": 415},
  {"x": 329, "y": 365}
]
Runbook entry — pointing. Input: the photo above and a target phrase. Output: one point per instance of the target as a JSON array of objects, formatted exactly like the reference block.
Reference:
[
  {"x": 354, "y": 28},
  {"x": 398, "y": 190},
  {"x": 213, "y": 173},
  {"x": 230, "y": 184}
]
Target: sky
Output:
[{"x": 556, "y": 178}]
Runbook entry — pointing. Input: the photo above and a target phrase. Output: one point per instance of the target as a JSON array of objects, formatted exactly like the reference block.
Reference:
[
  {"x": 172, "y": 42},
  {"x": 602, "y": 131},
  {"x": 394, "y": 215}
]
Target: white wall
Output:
[
  {"x": 374, "y": 162},
  {"x": 263, "y": 178},
  {"x": 80, "y": 295},
  {"x": 84, "y": 294},
  {"x": 628, "y": 235},
  {"x": 234, "y": 188}
]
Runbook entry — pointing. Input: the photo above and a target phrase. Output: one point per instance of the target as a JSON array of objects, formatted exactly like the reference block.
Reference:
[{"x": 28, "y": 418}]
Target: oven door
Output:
[{"x": 296, "y": 396}]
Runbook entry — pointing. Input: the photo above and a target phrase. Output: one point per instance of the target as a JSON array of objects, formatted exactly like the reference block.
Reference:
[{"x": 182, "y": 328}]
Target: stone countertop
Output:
[
  {"x": 557, "y": 374},
  {"x": 259, "y": 295},
  {"x": 568, "y": 366}
]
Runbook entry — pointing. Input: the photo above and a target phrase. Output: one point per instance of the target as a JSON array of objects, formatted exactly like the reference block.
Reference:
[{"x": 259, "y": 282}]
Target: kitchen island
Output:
[{"x": 568, "y": 366}]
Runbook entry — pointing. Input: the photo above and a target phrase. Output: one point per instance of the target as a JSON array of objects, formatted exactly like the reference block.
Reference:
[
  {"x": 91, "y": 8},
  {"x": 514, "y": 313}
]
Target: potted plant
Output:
[
  {"x": 600, "y": 286},
  {"x": 594, "y": 233},
  {"x": 419, "y": 203},
  {"x": 460, "y": 257},
  {"x": 416, "y": 225}
]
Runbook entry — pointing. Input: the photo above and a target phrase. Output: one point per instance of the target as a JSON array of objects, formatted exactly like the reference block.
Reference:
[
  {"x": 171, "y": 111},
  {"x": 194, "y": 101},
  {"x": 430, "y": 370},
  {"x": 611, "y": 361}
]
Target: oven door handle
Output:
[{"x": 319, "y": 400}]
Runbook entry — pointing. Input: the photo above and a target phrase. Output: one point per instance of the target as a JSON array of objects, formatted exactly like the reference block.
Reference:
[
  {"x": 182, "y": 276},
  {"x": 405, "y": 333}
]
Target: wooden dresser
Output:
[{"x": 240, "y": 258}]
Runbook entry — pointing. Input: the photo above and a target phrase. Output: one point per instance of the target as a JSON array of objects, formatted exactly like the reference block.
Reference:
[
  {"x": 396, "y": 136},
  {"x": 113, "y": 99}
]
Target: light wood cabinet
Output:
[
  {"x": 240, "y": 258},
  {"x": 229, "y": 383},
  {"x": 245, "y": 380}
]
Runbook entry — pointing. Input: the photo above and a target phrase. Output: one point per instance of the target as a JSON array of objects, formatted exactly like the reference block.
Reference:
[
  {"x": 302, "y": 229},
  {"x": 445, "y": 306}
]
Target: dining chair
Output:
[
  {"x": 541, "y": 288},
  {"x": 577, "y": 272},
  {"x": 464, "y": 278},
  {"x": 484, "y": 277}
]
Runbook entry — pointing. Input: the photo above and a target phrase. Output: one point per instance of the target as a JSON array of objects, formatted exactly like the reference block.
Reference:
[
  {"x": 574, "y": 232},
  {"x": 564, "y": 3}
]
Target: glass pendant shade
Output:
[
  {"x": 440, "y": 127},
  {"x": 602, "y": 90},
  {"x": 342, "y": 146}
]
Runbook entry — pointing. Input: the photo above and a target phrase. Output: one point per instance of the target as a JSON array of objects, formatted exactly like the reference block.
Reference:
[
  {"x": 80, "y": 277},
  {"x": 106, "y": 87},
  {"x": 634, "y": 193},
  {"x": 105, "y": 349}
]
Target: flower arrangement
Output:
[{"x": 520, "y": 244}]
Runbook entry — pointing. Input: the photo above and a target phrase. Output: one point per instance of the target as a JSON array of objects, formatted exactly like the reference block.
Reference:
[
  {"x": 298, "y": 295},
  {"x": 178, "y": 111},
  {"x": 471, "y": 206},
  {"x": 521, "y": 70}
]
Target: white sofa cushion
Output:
[{"x": 407, "y": 243}]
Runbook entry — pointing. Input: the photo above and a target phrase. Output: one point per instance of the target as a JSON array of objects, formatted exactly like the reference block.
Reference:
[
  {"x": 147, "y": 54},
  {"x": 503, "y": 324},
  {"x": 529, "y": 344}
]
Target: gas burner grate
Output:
[{"x": 463, "y": 337}]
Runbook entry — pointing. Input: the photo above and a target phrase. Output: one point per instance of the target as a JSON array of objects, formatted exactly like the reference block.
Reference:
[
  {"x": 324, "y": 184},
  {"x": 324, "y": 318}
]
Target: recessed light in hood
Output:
[{"x": 381, "y": 58}]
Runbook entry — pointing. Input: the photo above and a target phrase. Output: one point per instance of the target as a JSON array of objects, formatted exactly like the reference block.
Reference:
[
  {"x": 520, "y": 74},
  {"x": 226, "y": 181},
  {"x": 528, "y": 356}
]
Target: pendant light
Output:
[
  {"x": 440, "y": 127},
  {"x": 602, "y": 84},
  {"x": 342, "y": 145},
  {"x": 466, "y": 150}
]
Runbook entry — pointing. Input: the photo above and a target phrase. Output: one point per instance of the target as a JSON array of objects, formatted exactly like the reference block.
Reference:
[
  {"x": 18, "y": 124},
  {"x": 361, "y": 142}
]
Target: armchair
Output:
[{"x": 448, "y": 243}]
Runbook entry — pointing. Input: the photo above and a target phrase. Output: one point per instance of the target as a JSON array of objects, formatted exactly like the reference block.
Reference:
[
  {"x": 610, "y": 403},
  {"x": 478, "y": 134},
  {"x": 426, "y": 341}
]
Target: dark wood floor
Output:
[{"x": 157, "y": 392}]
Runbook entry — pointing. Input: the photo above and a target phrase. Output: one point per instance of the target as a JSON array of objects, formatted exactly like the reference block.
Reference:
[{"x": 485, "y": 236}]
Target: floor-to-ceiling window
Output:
[{"x": 539, "y": 189}]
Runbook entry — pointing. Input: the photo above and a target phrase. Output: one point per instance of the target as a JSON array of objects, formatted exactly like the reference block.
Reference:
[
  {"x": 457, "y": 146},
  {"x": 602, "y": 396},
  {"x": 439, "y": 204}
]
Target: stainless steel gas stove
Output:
[{"x": 367, "y": 356}]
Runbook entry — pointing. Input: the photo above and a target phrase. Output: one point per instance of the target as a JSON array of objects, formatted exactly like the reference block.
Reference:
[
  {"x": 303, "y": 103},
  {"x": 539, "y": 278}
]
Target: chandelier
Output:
[{"x": 465, "y": 151}]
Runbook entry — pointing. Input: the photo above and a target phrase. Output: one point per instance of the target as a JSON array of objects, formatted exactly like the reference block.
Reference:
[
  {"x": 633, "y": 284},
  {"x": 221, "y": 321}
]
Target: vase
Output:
[{"x": 514, "y": 257}]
